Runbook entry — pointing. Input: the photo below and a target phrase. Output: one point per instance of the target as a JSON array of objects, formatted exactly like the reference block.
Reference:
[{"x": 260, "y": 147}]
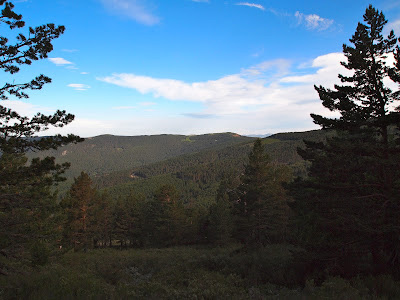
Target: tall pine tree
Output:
[
  {"x": 350, "y": 203},
  {"x": 261, "y": 210},
  {"x": 26, "y": 200},
  {"x": 220, "y": 225},
  {"x": 78, "y": 206}
]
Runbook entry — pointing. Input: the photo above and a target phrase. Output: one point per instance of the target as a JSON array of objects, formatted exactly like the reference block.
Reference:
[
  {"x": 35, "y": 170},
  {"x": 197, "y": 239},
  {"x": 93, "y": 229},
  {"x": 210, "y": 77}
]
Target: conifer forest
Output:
[{"x": 295, "y": 215}]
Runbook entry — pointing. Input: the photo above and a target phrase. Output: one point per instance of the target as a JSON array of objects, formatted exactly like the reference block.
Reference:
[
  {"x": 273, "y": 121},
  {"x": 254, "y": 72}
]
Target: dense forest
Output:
[{"x": 294, "y": 215}]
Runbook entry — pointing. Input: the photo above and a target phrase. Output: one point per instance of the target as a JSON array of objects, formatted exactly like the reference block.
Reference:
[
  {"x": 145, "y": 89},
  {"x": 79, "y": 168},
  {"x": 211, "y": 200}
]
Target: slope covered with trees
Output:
[
  {"x": 104, "y": 154},
  {"x": 197, "y": 176}
]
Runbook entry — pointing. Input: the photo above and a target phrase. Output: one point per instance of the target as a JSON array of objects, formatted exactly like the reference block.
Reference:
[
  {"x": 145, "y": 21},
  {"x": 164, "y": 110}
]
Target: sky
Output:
[{"x": 144, "y": 67}]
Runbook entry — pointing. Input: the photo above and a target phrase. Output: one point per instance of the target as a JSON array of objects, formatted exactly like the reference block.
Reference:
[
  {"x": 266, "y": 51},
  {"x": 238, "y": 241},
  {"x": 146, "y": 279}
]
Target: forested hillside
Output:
[
  {"x": 201, "y": 159},
  {"x": 197, "y": 175},
  {"x": 107, "y": 153}
]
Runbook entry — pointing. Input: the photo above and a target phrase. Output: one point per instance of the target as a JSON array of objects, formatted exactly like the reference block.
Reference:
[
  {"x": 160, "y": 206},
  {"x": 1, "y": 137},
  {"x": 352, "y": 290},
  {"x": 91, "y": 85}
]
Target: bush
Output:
[
  {"x": 39, "y": 253},
  {"x": 270, "y": 264},
  {"x": 383, "y": 286},
  {"x": 55, "y": 282}
]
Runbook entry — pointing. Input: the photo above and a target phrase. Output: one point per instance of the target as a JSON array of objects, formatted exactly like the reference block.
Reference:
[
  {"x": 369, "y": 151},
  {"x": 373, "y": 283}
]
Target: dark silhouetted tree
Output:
[
  {"x": 350, "y": 203},
  {"x": 15, "y": 130},
  {"x": 25, "y": 196}
]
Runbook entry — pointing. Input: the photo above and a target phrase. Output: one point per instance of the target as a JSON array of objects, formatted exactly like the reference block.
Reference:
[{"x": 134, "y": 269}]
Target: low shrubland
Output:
[{"x": 230, "y": 272}]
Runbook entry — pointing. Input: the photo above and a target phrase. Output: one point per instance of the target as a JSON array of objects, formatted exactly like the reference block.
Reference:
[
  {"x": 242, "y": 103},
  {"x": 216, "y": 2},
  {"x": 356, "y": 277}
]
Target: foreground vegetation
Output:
[{"x": 186, "y": 273}]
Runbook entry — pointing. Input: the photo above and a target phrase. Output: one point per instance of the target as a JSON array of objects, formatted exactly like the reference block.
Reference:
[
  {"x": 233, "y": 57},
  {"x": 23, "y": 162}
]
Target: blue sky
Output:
[{"x": 136, "y": 67}]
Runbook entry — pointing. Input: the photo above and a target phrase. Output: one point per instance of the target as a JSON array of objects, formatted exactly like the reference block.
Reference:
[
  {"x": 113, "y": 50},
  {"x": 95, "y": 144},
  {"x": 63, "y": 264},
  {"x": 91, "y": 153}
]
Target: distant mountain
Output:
[
  {"x": 194, "y": 163},
  {"x": 107, "y": 153},
  {"x": 197, "y": 175}
]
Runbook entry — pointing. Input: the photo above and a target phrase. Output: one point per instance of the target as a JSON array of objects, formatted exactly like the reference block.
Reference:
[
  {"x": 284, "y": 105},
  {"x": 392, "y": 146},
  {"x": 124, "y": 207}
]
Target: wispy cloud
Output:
[
  {"x": 272, "y": 97},
  {"x": 258, "y": 53},
  {"x": 270, "y": 68},
  {"x": 200, "y": 115},
  {"x": 147, "y": 103},
  {"x": 84, "y": 73},
  {"x": 271, "y": 88},
  {"x": 79, "y": 86},
  {"x": 69, "y": 50},
  {"x": 313, "y": 21},
  {"x": 123, "y": 107},
  {"x": 59, "y": 61},
  {"x": 134, "y": 9},
  {"x": 24, "y": 108},
  {"x": 259, "y": 6}
]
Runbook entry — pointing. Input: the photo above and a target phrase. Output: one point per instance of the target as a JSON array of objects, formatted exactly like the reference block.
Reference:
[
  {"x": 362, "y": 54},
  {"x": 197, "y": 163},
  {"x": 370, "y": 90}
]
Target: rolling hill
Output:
[
  {"x": 194, "y": 164},
  {"x": 107, "y": 153},
  {"x": 197, "y": 175}
]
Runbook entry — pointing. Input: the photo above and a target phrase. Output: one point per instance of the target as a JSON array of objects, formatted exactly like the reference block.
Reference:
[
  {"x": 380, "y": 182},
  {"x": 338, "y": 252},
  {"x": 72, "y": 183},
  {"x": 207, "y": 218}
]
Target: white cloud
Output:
[
  {"x": 268, "y": 89},
  {"x": 259, "y": 122},
  {"x": 273, "y": 96},
  {"x": 24, "y": 108},
  {"x": 134, "y": 9},
  {"x": 313, "y": 21},
  {"x": 84, "y": 73},
  {"x": 29, "y": 110},
  {"x": 85, "y": 128},
  {"x": 259, "y": 6},
  {"x": 59, "y": 61},
  {"x": 327, "y": 66},
  {"x": 79, "y": 86},
  {"x": 269, "y": 69}
]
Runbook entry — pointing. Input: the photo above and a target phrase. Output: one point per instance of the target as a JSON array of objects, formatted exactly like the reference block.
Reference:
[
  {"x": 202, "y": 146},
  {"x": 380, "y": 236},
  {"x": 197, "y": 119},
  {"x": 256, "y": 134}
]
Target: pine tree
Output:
[
  {"x": 134, "y": 205},
  {"x": 101, "y": 220},
  {"x": 262, "y": 211},
  {"x": 170, "y": 217},
  {"x": 352, "y": 193},
  {"x": 27, "y": 204},
  {"x": 26, "y": 200},
  {"x": 16, "y": 131},
  {"x": 220, "y": 225},
  {"x": 78, "y": 206}
]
